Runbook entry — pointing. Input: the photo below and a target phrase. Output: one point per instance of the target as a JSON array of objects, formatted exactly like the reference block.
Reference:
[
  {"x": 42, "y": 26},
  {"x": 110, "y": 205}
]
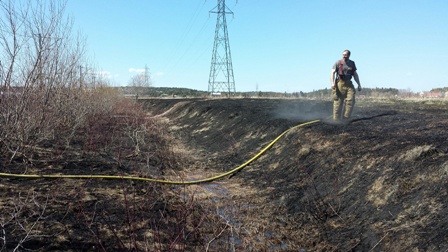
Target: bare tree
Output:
[
  {"x": 140, "y": 82},
  {"x": 45, "y": 89}
]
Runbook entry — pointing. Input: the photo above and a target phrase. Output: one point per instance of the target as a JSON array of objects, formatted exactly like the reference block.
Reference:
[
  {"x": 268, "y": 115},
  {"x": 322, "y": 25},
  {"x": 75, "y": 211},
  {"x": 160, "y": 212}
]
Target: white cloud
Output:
[
  {"x": 136, "y": 70},
  {"x": 159, "y": 73}
]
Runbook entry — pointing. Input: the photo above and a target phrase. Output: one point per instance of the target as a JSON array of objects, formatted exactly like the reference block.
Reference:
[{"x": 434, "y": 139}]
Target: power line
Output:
[
  {"x": 221, "y": 77},
  {"x": 173, "y": 60}
]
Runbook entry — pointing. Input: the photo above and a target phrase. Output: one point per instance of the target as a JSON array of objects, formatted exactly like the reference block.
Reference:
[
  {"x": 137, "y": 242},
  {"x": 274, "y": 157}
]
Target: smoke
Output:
[{"x": 304, "y": 111}]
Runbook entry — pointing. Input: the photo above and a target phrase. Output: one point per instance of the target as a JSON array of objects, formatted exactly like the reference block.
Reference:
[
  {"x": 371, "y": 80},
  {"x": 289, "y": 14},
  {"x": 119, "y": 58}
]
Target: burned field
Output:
[{"x": 378, "y": 183}]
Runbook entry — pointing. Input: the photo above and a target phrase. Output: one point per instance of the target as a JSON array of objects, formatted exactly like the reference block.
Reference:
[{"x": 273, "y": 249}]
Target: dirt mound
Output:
[{"x": 378, "y": 183}]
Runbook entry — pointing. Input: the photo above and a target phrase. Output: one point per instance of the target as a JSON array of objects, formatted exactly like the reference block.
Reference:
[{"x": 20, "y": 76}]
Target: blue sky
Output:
[{"x": 282, "y": 46}]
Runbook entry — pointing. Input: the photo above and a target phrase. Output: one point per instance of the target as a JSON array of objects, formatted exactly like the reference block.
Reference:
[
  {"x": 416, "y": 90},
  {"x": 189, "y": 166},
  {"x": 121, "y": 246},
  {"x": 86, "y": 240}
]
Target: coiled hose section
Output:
[{"x": 161, "y": 181}]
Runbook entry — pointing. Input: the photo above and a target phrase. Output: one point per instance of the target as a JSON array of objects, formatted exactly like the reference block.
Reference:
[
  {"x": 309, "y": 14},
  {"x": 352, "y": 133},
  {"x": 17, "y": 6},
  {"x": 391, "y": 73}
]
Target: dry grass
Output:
[{"x": 107, "y": 135}]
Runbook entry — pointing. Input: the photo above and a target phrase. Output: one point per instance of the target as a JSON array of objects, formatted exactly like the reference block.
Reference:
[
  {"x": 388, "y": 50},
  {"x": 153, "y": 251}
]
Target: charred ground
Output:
[{"x": 378, "y": 183}]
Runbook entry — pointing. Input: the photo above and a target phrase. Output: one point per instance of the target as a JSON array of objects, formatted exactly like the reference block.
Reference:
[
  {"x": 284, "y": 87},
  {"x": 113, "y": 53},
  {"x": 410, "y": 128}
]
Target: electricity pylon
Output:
[{"x": 221, "y": 70}]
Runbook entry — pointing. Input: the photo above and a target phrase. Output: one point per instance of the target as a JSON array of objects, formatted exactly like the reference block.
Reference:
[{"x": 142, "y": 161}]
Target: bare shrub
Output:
[
  {"x": 23, "y": 221},
  {"x": 52, "y": 116},
  {"x": 41, "y": 88},
  {"x": 128, "y": 135}
]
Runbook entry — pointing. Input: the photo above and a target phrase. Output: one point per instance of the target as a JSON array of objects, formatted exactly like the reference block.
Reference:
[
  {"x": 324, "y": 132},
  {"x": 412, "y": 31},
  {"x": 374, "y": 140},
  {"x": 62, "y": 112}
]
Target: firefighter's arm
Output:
[
  {"x": 333, "y": 86},
  {"x": 356, "y": 77}
]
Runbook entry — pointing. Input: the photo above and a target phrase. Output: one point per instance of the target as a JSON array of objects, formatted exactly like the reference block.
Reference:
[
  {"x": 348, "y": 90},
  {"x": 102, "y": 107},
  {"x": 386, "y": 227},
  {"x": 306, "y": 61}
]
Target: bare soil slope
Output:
[{"x": 378, "y": 183}]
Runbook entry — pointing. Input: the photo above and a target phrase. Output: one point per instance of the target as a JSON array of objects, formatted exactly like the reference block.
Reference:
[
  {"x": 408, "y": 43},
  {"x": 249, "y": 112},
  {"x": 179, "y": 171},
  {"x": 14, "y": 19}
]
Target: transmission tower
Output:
[
  {"x": 146, "y": 76},
  {"x": 221, "y": 71}
]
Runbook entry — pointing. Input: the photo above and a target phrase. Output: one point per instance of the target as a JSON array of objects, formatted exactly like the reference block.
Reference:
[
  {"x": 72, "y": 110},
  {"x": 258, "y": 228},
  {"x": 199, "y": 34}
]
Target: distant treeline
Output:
[
  {"x": 163, "y": 92},
  {"x": 443, "y": 90},
  {"x": 371, "y": 92},
  {"x": 321, "y": 93}
]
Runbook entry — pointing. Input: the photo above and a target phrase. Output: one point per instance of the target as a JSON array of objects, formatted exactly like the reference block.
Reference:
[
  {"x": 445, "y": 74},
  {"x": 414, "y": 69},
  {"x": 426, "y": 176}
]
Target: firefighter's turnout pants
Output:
[{"x": 344, "y": 94}]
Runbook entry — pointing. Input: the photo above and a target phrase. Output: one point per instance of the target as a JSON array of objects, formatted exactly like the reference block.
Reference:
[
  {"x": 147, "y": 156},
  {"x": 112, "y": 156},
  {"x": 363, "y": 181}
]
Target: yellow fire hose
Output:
[{"x": 62, "y": 176}]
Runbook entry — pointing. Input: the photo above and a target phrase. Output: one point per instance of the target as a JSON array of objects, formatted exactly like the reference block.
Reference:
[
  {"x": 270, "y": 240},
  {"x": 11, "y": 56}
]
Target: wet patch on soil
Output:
[{"x": 378, "y": 183}]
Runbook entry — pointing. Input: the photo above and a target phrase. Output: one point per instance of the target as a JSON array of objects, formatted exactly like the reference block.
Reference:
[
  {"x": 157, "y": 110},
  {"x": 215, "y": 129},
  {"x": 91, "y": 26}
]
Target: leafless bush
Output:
[
  {"x": 41, "y": 86},
  {"x": 146, "y": 219},
  {"x": 22, "y": 221},
  {"x": 49, "y": 110}
]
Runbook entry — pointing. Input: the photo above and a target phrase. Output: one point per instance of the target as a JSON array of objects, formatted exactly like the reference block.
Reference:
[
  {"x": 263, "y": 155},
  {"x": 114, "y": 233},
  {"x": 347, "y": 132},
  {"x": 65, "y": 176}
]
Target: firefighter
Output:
[{"x": 343, "y": 91}]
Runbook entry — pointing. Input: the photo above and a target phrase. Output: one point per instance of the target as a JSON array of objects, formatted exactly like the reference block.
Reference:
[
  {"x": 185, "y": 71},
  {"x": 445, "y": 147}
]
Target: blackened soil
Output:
[{"x": 377, "y": 183}]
